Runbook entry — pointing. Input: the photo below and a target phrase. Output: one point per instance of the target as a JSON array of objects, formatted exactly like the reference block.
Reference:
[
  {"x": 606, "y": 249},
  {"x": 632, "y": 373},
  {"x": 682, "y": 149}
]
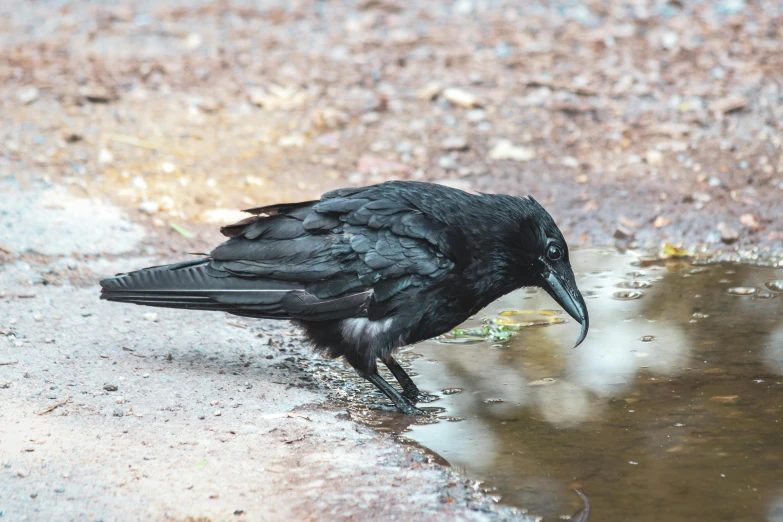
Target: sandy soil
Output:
[{"x": 127, "y": 413}]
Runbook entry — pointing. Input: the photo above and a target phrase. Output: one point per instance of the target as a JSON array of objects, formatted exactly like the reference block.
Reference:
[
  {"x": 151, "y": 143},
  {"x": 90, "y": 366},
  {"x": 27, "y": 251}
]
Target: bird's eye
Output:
[{"x": 554, "y": 252}]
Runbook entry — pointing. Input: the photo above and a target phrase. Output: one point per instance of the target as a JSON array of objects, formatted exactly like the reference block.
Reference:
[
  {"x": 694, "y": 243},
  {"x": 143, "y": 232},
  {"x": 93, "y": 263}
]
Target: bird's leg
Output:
[
  {"x": 402, "y": 404},
  {"x": 409, "y": 388}
]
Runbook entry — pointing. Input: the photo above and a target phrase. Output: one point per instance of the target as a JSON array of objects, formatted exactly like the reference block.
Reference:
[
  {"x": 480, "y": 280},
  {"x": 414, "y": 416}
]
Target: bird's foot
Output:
[
  {"x": 410, "y": 409},
  {"x": 412, "y": 394}
]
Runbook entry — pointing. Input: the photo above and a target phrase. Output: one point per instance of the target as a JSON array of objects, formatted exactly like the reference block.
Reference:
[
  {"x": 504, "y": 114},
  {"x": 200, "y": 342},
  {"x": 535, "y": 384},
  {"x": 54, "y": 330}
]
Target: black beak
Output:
[{"x": 563, "y": 289}]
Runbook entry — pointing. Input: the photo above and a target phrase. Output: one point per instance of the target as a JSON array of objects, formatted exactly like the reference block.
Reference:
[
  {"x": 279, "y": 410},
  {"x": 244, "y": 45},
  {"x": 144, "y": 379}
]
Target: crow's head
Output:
[{"x": 546, "y": 258}]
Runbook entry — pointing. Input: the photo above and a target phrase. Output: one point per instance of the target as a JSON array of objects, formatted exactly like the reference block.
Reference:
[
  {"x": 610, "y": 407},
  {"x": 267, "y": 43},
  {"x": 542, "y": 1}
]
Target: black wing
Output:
[{"x": 351, "y": 252}]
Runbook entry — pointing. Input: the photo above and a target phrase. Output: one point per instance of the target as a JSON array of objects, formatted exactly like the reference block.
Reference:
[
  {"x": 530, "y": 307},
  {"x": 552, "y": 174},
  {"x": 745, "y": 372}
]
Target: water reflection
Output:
[{"x": 670, "y": 410}]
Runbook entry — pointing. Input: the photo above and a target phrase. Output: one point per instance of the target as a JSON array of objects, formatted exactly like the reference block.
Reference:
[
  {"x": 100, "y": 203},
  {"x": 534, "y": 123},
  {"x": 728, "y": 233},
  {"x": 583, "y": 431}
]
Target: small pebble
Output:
[
  {"x": 454, "y": 143},
  {"x": 218, "y": 413},
  {"x": 149, "y": 207},
  {"x": 150, "y": 316},
  {"x": 120, "y": 400},
  {"x": 110, "y": 387},
  {"x": 202, "y": 417}
]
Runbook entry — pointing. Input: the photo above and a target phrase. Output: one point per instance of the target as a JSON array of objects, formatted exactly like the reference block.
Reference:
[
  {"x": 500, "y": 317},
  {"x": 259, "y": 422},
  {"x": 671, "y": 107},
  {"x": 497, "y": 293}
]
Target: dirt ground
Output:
[
  {"x": 111, "y": 412},
  {"x": 635, "y": 122}
]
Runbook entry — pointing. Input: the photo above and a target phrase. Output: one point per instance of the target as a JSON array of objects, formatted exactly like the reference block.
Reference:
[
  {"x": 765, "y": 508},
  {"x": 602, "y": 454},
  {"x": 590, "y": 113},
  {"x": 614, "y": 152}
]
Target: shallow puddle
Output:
[{"x": 672, "y": 409}]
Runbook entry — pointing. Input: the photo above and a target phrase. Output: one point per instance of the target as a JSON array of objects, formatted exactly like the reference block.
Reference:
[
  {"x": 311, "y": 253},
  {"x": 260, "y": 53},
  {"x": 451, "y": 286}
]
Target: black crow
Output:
[{"x": 368, "y": 270}]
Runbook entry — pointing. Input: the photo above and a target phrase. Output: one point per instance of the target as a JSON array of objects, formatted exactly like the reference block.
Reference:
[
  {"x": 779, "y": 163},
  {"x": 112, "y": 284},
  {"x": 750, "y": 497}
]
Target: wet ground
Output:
[{"x": 670, "y": 410}]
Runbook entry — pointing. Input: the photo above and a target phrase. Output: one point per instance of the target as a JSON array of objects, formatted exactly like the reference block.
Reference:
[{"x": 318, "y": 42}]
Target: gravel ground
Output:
[
  {"x": 660, "y": 119},
  {"x": 118, "y": 412}
]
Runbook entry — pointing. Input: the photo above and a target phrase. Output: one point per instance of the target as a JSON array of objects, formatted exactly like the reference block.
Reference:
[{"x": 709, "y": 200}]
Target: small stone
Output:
[
  {"x": 27, "y": 95},
  {"x": 214, "y": 403},
  {"x": 138, "y": 183},
  {"x": 149, "y": 207},
  {"x": 714, "y": 182},
  {"x": 454, "y": 143},
  {"x": 622, "y": 233},
  {"x": 217, "y": 413},
  {"x": 38, "y": 318},
  {"x": 150, "y": 316},
  {"x": 120, "y": 400},
  {"x": 105, "y": 156},
  {"x": 727, "y": 234},
  {"x": 110, "y": 387},
  {"x": 209, "y": 104},
  {"x": 202, "y": 416},
  {"x": 118, "y": 412},
  {"x": 447, "y": 163},
  {"x": 570, "y": 162},
  {"x": 429, "y": 91},
  {"x": 654, "y": 157},
  {"x": 167, "y": 167},
  {"x": 505, "y": 150},
  {"x": 749, "y": 221},
  {"x": 51, "y": 396},
  {"x": 461, "y": 98},
  {"x": 96, "y": 93},
  {"x": 59, "y": 490},
  {"x": 145, "y": 376},
  {"x": 476, "y": 115}
]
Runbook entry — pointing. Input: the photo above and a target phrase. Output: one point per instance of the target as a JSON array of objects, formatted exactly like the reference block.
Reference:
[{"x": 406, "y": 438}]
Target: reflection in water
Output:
[
  {"x": 672, "y": 409},
  {"x": 669, "y": 410}
]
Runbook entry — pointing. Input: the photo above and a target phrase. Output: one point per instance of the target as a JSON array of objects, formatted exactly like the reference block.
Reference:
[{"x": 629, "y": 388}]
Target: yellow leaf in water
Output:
[
  {"x": 726, "y": 399},
  {"x": 670, "y": 251}
]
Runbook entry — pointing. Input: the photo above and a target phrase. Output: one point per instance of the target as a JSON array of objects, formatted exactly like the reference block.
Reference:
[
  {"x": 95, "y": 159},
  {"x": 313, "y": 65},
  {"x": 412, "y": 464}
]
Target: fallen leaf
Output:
[
  {"x": 726, "y": 399},
  {"x": 671, "y": 251}
]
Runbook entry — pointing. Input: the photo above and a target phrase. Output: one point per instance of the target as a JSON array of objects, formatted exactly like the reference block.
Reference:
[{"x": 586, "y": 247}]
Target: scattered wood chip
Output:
[
  {"x": 559, "y": 86},
  {"x": 629, "y": 223},
  {"x": 728, "y": 104},
  {"x": 291, "y": 441},
  {"x": 661, "y": 222},
  {"x": 236, "y": 324},
  {"x": 54, "y": 406},
  {"x": 749, "y": 221},
  {"x": 461, "y": 98},
  {"x": 667, "y": 129}
]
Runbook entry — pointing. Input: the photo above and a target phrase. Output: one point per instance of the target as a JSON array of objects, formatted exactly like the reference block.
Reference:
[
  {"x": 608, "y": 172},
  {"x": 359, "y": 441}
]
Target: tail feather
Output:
[{"x": 188, "y": 285}]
